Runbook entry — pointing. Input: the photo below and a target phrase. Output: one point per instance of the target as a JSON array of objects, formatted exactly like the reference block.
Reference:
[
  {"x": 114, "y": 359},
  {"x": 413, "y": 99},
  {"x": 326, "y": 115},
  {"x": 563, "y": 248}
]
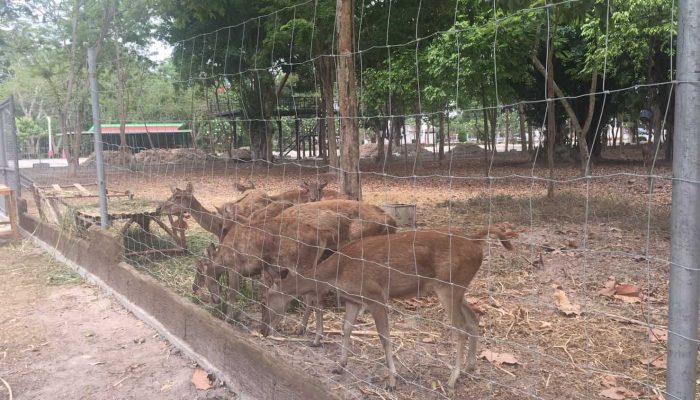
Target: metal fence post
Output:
[
  {"x": 685, "y": 215},
  {"x": 97, "y": 133}
]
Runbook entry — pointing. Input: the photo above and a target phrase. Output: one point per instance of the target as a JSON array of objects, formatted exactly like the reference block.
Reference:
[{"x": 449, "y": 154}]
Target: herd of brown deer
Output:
[{"x": 309, "y": 242}]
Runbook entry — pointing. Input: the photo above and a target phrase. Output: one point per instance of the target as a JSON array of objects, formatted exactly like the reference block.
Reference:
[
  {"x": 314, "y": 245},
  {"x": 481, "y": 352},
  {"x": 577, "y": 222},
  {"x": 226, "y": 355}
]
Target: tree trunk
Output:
[
  {"x": 122, "y": 83},
  {"x": 327, "y": 69},
  {"x": 656, "y": 124},
  {"x": 521, "y": 119},
  {"x": 349, "y": 181},
  {"x": 441, "y": 148},
  {"x": 77, "y": 139},
  {"x": 381, "y": 133},
  {"x": 551, "y": 122},
  {"x": 530, "y": 145},
  {"x": 581, "y": 131},
  {"x": 322, "y": 127},
  {"x": 668, "y": 153},
  {"x": 493, "y": 119},
  {"x": 419, "y": 125},
  {"x": 391, "y": 131},
  {"x": 507, "y": 128},
  {"x": 486, "y": 133},
  {"x": 449, "y": 137}
]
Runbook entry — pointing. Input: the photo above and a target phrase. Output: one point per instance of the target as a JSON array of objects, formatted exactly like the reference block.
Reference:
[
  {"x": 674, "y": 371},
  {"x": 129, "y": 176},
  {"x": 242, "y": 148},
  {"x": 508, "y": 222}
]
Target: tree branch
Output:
[{"x": 567, "y": 107}]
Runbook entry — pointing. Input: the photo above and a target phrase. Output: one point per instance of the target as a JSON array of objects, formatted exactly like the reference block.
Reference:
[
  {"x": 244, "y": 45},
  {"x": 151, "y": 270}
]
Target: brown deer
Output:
[
  {"x": 183, "y": 201},
  {"x": 367, "y": 273},
  {"x": 257, "y": 205},
  {"x": 241, "y": 187},
  {"x": 357, "y": 220},
  {"x": 277, "y": 245},
  {"x": 315, "y": 190},
  {"x": 365, "y": 219}
]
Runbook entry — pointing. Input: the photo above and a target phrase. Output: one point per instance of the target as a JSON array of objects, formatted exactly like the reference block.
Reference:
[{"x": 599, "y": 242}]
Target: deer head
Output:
[
  {"x": 179, "y": 202},
  {"x": 315, "y": 189}
]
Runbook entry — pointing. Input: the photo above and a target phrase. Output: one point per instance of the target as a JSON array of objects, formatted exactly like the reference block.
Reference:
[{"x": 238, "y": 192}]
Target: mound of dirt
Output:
[
  {"x": 241, "y": 154},
  {"x": 465, "y": 150},
  {"x": 411, "y": 149},
  {"x": 150, "y": 157}
]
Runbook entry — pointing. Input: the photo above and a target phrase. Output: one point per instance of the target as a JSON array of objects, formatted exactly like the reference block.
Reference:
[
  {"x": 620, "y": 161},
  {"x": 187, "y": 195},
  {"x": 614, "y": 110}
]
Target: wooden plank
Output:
[
  {"x": 57, "y": 188},
  {"x": 82, "y": 189}
]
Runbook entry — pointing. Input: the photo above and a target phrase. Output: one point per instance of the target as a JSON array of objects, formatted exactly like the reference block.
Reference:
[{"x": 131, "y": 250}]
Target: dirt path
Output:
[{"x": 63, "y": 339}]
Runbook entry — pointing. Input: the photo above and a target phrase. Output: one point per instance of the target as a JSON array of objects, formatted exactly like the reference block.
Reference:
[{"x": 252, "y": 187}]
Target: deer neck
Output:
[{"x": 205, "y": 218}]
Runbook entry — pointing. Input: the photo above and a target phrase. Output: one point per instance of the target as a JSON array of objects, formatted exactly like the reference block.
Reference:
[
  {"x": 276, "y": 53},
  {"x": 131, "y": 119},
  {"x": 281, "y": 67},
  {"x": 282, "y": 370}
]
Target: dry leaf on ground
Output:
[
  {"x": 564, "y": 305},
  {"x": 656, "y": 362},
  {"x": 609, "y": 381},
  {"x": 628, "y": 299},
  {"x": 626, "y": 289},
  {"x": 625, "y": 292},
  {"x": 618, "y": 393},
  {"x": 658, "y": 335},
  {"x": 609, "y": 289},
  {"x": 200, "y": 379},
  {"x": 498, "y": 358}
]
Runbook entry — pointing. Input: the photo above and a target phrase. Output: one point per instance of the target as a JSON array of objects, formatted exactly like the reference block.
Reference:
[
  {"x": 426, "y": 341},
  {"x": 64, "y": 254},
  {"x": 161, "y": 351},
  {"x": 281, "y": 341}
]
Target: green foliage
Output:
[
  {"x": 27, "y": 127},
  {"x": 462, "y": 136}
]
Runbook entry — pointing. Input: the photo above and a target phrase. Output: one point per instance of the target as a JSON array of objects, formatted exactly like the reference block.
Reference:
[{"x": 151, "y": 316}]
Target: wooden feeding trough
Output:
[
  {"x": 74, "y": 203},
  {"x": 404, "y": 214}
]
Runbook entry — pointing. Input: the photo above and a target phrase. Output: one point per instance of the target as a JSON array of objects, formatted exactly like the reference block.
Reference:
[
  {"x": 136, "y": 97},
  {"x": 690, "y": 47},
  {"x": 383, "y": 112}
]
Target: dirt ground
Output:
[
  {"x": 606, "y": 228},
  {"x": 61, "y": 338}
]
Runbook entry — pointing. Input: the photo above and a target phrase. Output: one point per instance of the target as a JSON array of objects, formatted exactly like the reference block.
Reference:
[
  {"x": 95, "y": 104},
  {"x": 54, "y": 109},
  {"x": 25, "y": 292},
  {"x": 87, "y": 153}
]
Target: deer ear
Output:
[
  {"x": 173, "y": 189},
  {"x": 304, "y": 184},
  {"x": 322, "y": 184},
  {"x": 189, "y": 188},
  {"x": 252, "y": 185}
]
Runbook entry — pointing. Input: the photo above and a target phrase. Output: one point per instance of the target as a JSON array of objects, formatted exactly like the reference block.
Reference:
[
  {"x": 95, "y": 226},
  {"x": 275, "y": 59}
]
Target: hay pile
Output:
[
  {"x": 149, "y": 157},
  {"x": 466, "y": 150},
  {"x": 368, "y": 150},
  {"x": 169, "y": 156},
  {"x": 111, "y": 158}
]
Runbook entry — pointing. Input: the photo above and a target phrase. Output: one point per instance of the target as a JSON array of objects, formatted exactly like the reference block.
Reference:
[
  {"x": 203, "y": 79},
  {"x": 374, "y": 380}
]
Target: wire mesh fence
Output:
[{"x": 474, "y": 136}]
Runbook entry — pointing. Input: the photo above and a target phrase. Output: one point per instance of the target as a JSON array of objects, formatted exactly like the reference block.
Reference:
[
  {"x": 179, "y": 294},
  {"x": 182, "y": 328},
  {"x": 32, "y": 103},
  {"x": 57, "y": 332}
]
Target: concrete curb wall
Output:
[{"x": 247, "y": 368}]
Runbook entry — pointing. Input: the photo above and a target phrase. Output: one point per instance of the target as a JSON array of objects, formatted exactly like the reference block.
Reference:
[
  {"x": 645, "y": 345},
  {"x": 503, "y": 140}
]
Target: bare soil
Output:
[
  {"x": 63, "y": 339},
  {"x": 610, "y": 226}
]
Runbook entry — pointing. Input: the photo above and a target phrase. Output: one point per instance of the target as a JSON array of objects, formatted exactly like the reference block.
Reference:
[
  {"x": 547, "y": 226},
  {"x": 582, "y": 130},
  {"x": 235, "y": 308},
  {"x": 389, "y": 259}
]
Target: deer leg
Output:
[
  {"x": 451, "y": 299},
  {"x": 233, "y": 287},
  {"x": 305, "y": 318},
  {"x": 351, "y": 312},
  {"x": 381, "y": 321},
  {"x": 472, "y": 321},
  {"x": 319, "y": 327}
]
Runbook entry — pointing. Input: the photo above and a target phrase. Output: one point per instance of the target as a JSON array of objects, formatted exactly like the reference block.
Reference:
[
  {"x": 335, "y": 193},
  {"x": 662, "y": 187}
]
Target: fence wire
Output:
[{"x": 236, "y": 204}]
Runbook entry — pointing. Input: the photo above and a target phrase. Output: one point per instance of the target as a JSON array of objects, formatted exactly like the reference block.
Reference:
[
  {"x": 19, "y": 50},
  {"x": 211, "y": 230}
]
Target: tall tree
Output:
[{"x": 349, "y": 181}]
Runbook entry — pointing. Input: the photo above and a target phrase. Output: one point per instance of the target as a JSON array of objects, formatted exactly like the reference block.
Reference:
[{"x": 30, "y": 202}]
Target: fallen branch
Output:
[{"x": 7, "y": 385}]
